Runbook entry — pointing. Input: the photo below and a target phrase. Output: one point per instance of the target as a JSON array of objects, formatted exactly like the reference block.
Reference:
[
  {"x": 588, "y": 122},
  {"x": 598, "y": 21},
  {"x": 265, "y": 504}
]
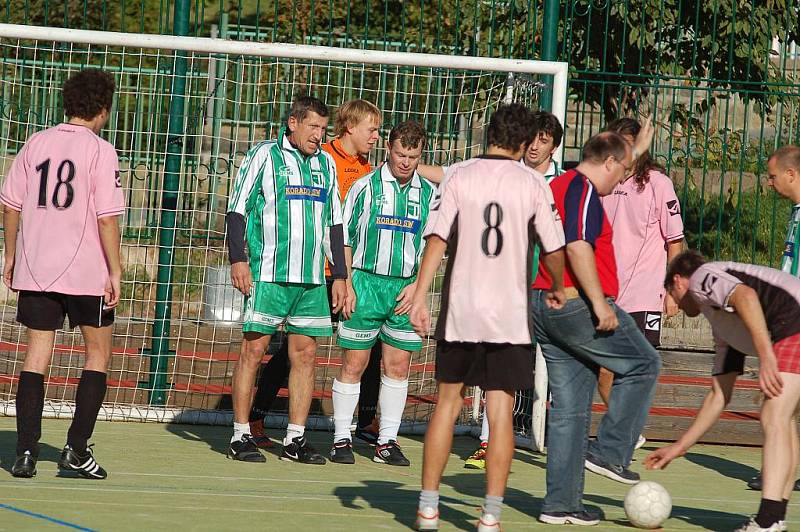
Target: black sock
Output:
[
  {"x": 88, "y": 399},
  {"x": 769, "y": 513},
  {"x": 30, "y": 402},
  {"x": 273, "y": 375},
  {"x": 370, "y": 388}
]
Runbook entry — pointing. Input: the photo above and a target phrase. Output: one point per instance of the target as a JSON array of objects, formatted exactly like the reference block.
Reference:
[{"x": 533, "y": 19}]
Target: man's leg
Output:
[
  {"x": 392, "y": 400},
  {"x": 30, "y": 391},
  {"x": 345, "y": 391},
  {"x": 370, "y": 390},
  {"x": 92, "y": 386},
  {"x": 635, "y": 364},
  {"x": 302, "y": 357},
  {"x": 273, "y": 375},
  {"x": 500, "y": 409},
  {"x": 243, "y": 447},
  {"x": 571, "y": 383},
  {"x": 439, "y": 436},
  {"x": 779, "y": 466}
]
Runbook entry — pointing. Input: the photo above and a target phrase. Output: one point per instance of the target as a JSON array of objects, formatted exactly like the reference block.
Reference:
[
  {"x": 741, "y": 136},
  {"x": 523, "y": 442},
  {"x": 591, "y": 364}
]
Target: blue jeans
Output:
[{"x": 574, "y": 351}]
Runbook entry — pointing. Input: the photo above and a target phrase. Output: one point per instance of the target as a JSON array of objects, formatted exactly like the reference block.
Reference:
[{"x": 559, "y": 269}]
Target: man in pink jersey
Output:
[
  {"x": 753, "y": 310},
  {"x": 492, "y": 213},
  {"x": 63, "y": 260}
]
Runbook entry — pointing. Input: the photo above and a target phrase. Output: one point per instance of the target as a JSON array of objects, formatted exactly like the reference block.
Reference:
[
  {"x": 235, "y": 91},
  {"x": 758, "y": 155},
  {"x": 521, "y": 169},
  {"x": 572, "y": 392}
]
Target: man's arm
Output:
[
  {"x": 10, "y": 228},
  {"x": 350, "y": 299},
  {"x": 108, "y": 228},
  {"x": 554, "y": 264},
  {"x": 431, "y": 259},
  {"x": 431, "y": 172},
  {"x": 674, "y": 249},
  {"x": 744, "y": 301},
  {"x": 581, "y": 259},
  {"x": 713, "y": 405}
]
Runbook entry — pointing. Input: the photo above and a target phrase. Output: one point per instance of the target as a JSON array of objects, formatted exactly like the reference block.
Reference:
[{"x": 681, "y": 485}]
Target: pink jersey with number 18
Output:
[
  {"x": 62, "y": 181},
  {"x": 492, "y": 212}
]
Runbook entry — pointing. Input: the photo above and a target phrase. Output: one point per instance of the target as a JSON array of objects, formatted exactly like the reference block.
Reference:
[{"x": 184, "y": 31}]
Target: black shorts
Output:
[
  {"x": 490, "y": 366},
  {"x": 650, "y": 324},
  {"x": 45, "y": 311}
]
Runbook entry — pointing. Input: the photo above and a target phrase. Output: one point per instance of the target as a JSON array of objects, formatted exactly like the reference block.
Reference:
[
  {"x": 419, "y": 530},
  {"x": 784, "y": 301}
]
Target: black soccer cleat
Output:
[
  {"x": 390, "y": 453},
  {"x": 24, "y": 466},
  {"x": 342, "y": 452},
  {"x": 81, "y": 462},
  {"x": 245, "y": 450},
  {"x": 300, "y": 451}
]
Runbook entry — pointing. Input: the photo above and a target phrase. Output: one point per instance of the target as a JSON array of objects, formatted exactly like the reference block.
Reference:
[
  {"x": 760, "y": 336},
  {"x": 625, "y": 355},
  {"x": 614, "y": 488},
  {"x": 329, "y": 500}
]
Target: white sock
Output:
[
  {"x": 392, "y": 402},
  {"x": 239, "y": 430},
  {"x": 485, "y": 427},
  {"x": 345, "y": 399},
  {"x": 292, "y": 432}
]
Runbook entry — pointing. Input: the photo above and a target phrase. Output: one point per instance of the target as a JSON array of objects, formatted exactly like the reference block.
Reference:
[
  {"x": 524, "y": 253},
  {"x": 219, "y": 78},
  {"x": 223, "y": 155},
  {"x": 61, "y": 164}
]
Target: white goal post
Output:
[{"x": 40, "y": 68}]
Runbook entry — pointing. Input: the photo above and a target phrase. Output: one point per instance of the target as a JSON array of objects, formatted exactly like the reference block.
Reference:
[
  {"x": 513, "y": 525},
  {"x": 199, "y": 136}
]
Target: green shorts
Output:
[
  {"x": 304, "y": 308},
  {"x": 376, "y": 299}
]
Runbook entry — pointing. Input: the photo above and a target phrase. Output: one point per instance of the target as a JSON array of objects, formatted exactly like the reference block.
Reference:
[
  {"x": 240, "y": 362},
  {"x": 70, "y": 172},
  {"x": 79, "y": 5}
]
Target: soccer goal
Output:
[{"x": 201, "y": 103}]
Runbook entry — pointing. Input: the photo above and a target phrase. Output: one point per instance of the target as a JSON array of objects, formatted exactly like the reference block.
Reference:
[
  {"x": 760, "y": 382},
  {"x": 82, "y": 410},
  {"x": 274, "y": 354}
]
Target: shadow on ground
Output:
[{"x": 8, "y": 453}]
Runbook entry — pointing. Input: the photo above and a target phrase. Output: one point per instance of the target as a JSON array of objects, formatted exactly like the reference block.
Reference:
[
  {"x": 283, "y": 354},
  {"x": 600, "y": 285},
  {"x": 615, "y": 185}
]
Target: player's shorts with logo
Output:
[
  {"x": 303, "y": 308},
  {"x": 374, "y": 317},
  {"x": 45, "y": 311},
  {"x": 650, "y": 324}
]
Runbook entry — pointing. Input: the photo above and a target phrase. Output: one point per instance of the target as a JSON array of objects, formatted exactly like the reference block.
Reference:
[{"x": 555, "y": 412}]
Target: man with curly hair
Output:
[{"x": 64, "y": 261}]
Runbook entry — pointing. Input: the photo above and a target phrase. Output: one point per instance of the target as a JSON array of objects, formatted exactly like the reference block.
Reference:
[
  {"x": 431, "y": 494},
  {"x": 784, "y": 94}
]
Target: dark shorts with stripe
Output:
[
  {"x": 650, "y": 324},
  {"x": 490, "y": 366},
  {"x": 45, "y": 311}
]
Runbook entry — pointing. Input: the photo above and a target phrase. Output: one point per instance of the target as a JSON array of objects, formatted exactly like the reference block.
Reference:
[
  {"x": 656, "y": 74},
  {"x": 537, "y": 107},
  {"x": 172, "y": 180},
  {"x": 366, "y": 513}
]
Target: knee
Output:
[
  {"x": 304, "y": 357},
  {"x": 353, "y": 367},
  {"x": 397, "y": 370},
  {"x": 251, "y": 354}
]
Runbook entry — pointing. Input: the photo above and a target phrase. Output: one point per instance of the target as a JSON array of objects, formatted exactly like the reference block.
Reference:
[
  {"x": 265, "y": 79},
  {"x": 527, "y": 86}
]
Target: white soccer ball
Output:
[{"x": 648, "y": 504}]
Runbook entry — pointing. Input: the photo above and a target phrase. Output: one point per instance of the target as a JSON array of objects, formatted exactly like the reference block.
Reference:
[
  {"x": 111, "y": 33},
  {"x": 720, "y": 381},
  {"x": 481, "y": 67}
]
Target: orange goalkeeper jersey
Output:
[{"x": 349, "y": 169}]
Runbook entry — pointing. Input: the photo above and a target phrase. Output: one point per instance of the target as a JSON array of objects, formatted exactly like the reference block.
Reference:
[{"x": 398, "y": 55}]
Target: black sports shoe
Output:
[
  {"x": 756, "y": 483},
  {"x": 342, "y": 452},
  {"x": 300, "y": 451},
  {"x": 369, "y": 433},
  {"x": 24, "y": 466},
  {"x": 245, "y": 450},
  {"x": 390, "y": 453},
  {"x": 82, "y": 462},
  {"x": 585, "y": 518},
  {"x": 612, "y": 471}
]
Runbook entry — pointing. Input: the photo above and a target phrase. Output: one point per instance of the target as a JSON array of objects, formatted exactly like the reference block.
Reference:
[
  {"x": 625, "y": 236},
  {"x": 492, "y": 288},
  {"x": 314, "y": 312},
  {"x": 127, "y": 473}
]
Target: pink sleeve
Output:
[
  {"x": 15, "y": 185},
  {"x": 670, "y": 210},
  {"x": 444, "y": 210},
  {"x": 711, "y": 286},
  {"x": 108, "y": 197}
]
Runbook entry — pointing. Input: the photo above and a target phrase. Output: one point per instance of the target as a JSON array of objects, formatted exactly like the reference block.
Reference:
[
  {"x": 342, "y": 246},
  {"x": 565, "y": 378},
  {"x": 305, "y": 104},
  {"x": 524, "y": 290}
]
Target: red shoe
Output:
[{"x": 259, "y": 437}]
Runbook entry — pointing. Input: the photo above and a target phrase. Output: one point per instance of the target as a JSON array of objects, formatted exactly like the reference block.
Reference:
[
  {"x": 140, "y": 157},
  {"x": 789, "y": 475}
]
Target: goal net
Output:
[{"x": 234, "y": 95}]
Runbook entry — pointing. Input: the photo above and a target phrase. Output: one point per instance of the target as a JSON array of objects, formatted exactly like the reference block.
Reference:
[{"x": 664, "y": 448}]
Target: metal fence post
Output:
[
  {"x": 160, "y": 353},
  {"x": 549, "y": 46}
]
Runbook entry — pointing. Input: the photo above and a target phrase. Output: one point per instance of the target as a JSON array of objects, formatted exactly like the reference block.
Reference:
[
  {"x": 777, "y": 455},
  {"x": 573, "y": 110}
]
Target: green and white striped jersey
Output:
[
  {"x": 289, "y": 201},
  {"x": 789, "y": 262},
  {"x": 385, "y": 222}
]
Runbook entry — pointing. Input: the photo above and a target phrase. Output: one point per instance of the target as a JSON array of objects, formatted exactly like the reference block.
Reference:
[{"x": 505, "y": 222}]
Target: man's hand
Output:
[
  {"x": 338, "y": 295},
  {"x": 661, "y": 458},
  {"x": 606, "y": 317},
  {"x": 241, "y": 277},
  {"x": 113, "y": 290},
  {"x": 420, "y": 316},
  {"x": 405, "y": 299},
  {"x": 555, "y": 299},
  {"x": 645, "y": 137},
  {"x": 8, "y": 270},
  {"x": 670, "y": 307},
  {"x": 769, "y": 380},
  {"x": 349, "y": 301}
]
